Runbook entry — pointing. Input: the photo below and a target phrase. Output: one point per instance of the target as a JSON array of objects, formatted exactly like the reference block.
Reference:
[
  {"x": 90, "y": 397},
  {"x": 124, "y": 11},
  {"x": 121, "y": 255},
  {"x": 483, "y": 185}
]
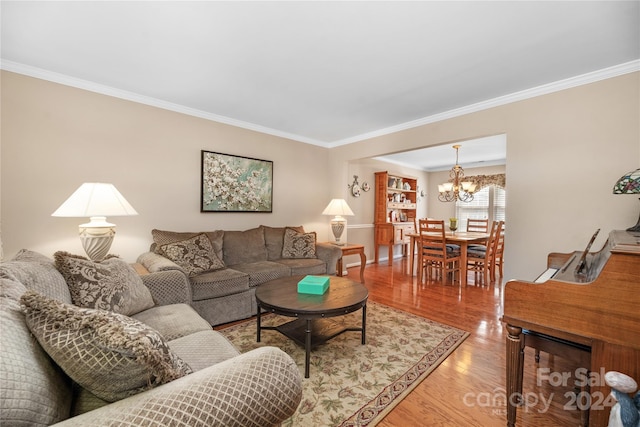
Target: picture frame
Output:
[{"x": 232, "y": 183}]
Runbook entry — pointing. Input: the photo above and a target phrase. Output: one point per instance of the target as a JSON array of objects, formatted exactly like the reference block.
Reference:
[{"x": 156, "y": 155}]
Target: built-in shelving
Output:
[{"x": 395, "y": 210}]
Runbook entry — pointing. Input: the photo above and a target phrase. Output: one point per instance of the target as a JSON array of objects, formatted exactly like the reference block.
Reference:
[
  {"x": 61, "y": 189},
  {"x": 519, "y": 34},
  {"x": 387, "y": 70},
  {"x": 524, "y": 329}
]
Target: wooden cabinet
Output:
[{"x": 395, "y": 211}]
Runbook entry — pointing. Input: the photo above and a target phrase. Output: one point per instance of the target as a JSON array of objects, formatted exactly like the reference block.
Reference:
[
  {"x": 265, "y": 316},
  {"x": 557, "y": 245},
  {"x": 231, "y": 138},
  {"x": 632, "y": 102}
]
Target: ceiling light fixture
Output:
[{"x": 456, "y": 189}]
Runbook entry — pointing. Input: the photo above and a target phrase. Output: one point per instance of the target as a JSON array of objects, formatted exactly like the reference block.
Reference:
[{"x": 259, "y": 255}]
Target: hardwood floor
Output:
[{"x": 467, "y": 389}]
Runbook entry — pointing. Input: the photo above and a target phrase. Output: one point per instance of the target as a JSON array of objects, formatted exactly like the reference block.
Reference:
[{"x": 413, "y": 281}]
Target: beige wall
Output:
[
  {"x": 564, "y": 153},
  {"x": 360, "y": 226},
  {"x": 56, "y": 137}
]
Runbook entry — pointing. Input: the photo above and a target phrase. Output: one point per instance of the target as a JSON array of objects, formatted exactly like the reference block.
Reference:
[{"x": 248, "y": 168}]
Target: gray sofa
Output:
[
  {"x": 218, "y": 386},
  {"x": 226, "y": 292}
]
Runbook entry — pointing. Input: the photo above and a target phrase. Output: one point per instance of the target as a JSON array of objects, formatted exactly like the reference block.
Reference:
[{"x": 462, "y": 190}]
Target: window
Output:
[{"x": 487, "y": 203}]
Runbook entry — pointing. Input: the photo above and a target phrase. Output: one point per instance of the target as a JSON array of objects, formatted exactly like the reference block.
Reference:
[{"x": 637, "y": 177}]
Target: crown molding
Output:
[
  {"x": 66, "y": 80},
  {"x": 583, "y": 79},
  {"x": 63, "y": 79}
]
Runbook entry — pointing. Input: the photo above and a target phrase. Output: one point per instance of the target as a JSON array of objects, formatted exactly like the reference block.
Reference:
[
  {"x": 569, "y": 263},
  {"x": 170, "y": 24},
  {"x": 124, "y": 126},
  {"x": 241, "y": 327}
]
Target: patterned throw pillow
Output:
[
  {"x": 111, "y": 284},
  {"x": 194, "y": 255},
  {"x": 111, "y": 355},
  {"x": 298, "y": 245},
  {"x": 163, "y": 237}
]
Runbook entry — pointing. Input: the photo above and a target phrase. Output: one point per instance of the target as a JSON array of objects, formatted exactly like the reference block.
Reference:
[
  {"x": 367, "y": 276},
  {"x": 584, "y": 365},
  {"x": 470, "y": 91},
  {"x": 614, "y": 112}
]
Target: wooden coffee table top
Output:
[{"x": 281, "y": 296}]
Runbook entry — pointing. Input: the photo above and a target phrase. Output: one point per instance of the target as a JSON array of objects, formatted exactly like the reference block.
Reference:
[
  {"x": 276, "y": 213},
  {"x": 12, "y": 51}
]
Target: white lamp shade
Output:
[
  {"x": 338, "y": 207},
  {"x": 95, "y": 199}
]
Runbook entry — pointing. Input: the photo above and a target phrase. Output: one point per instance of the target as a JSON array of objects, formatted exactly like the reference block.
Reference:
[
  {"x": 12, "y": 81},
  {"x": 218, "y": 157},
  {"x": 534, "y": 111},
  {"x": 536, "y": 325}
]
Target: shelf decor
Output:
[{"x": 235, "y": 183}]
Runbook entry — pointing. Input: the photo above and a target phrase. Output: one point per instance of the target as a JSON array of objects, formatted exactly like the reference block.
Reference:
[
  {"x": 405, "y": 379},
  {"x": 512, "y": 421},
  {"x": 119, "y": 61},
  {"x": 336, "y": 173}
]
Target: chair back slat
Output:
[{"x": 478, "y": 225}]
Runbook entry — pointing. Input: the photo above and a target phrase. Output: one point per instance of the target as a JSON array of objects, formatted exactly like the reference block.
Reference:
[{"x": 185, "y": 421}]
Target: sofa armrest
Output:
[
  {"x": 155, "y": 262},
  {"x": 168, "y": 283},
  {"x": 262, "y": 387},
  {"x": 330, "y": 254},
  {"x": 168, "y": 287}
]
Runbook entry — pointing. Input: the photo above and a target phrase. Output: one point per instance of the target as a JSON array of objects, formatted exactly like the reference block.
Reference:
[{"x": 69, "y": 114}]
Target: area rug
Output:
[{"x": 351, "y": 384}]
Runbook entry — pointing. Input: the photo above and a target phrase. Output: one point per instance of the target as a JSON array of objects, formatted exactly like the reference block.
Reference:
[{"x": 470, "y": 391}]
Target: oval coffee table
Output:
[{"x": 311, "y": 326}]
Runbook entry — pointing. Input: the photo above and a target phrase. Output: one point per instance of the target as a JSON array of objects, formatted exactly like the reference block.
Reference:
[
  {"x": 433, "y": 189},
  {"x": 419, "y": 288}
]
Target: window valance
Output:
[{"x": 482, "y": 181}]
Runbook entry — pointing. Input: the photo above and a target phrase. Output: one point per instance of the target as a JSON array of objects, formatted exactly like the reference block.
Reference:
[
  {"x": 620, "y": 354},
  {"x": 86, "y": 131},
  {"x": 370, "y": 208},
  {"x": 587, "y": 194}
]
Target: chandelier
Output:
[{"x": 456, "y": 189}]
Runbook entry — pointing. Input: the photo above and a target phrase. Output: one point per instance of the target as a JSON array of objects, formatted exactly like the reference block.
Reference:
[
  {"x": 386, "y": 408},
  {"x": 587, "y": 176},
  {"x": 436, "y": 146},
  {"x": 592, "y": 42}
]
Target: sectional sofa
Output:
[
  {"x": 95, "y": 344},
  {"x": 225, "y": 267}
]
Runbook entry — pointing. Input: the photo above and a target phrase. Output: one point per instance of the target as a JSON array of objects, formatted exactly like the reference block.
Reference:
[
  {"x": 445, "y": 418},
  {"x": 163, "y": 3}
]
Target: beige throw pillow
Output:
[
  {"x": 194, "y": 255},
  {"x": 111, "y": 355},
  {"x": 298, "y": 245},
  {"x": 111, "y": 284}
]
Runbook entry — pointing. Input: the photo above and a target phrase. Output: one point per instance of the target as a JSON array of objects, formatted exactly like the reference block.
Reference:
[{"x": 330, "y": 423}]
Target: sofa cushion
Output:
[
  {"x": 33, "y": 390},
  {"x": 203, "y": 349},
  {"x": 173, "y": 321},
  {"x": 263, "y": 271},
  {"x": 163, "y": 237},
  {"x": 298, "y": 245},
  {"x": 274, "y": 239},
  {"x": 111, "y": 355},
  {"x": 194, "y": 255},
  {"x": 214, "y": 284},
  {"x": 304, "y": 266},
  {"x": 242, "y": 247},
  {"x": 111, "y": 284},
  {"x": 38, "y": 273}
]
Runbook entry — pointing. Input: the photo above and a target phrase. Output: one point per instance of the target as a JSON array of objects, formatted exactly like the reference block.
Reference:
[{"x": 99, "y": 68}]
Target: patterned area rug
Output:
[{"x": 357, "y": 385}]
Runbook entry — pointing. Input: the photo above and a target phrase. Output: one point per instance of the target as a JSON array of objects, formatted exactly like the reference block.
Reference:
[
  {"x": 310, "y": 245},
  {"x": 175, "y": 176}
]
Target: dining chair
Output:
[
  {"x": 478, "y": 225},
  {"x": 481, "y": 261},
  {"x": 434, "y": 255},
  {"x": 498, "y": 259}
]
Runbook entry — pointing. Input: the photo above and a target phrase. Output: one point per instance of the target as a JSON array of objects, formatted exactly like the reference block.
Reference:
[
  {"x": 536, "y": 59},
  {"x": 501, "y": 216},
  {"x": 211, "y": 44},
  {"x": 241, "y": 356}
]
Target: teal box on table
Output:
[{"x": 316, "y": 285}]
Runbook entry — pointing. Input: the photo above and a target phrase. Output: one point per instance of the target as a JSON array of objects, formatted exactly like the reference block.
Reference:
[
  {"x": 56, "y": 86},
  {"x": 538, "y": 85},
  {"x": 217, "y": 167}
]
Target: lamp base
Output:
[
  {"x": 96, "y": 241},
  {"x": 338, "y": 225},
  {"x": 635, "y": 228}
]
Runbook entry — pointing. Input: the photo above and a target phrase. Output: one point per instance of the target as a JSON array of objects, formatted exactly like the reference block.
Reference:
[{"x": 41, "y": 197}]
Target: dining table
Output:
[{"x": 461, "y": 238}]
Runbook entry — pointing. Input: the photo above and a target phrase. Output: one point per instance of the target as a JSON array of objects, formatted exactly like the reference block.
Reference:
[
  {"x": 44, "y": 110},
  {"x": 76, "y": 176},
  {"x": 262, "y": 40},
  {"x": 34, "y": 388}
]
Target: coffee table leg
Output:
[
  {"x": 258, "y": 317},
  {"x": 307, "y": 348},
  {"x": 364, "y": 324}
]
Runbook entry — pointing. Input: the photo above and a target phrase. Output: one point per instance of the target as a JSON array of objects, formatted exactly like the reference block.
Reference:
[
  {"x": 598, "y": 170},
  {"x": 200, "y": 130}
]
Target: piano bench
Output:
[{"x": 577, "y": 354}]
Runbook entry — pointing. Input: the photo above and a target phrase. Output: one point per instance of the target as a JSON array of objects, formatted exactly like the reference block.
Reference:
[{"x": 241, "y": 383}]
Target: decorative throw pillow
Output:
[
  {"x": 163, "y": 237},
  {"x": 111, "y": 284},
  {"x": 194, "y": 255},
  {"x": 111, "y": 355},
  {"x": 298, "y": 245}
]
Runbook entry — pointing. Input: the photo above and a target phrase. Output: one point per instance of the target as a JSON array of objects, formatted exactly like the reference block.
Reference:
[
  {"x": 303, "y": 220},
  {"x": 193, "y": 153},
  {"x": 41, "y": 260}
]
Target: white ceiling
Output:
[
  {"x": 325, "y": 73},
  {"x": 475, "y": 153}
]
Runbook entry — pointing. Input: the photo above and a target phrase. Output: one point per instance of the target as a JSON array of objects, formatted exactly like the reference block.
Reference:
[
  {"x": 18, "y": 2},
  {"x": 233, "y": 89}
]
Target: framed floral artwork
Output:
[{"x": 235, "y": 183}]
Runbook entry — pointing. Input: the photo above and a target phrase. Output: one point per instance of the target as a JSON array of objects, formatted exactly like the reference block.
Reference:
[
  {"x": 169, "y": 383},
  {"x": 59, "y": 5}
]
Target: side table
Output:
[{"x": 352, "y": 249}]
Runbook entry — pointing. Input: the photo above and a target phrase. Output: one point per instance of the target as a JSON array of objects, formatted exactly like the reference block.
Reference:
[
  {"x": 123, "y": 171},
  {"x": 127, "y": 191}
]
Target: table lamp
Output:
[
  {"x": 338, "y": 207},
  {"x": 629, "y": 183},
  {"x": 96, "y": 201}
]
